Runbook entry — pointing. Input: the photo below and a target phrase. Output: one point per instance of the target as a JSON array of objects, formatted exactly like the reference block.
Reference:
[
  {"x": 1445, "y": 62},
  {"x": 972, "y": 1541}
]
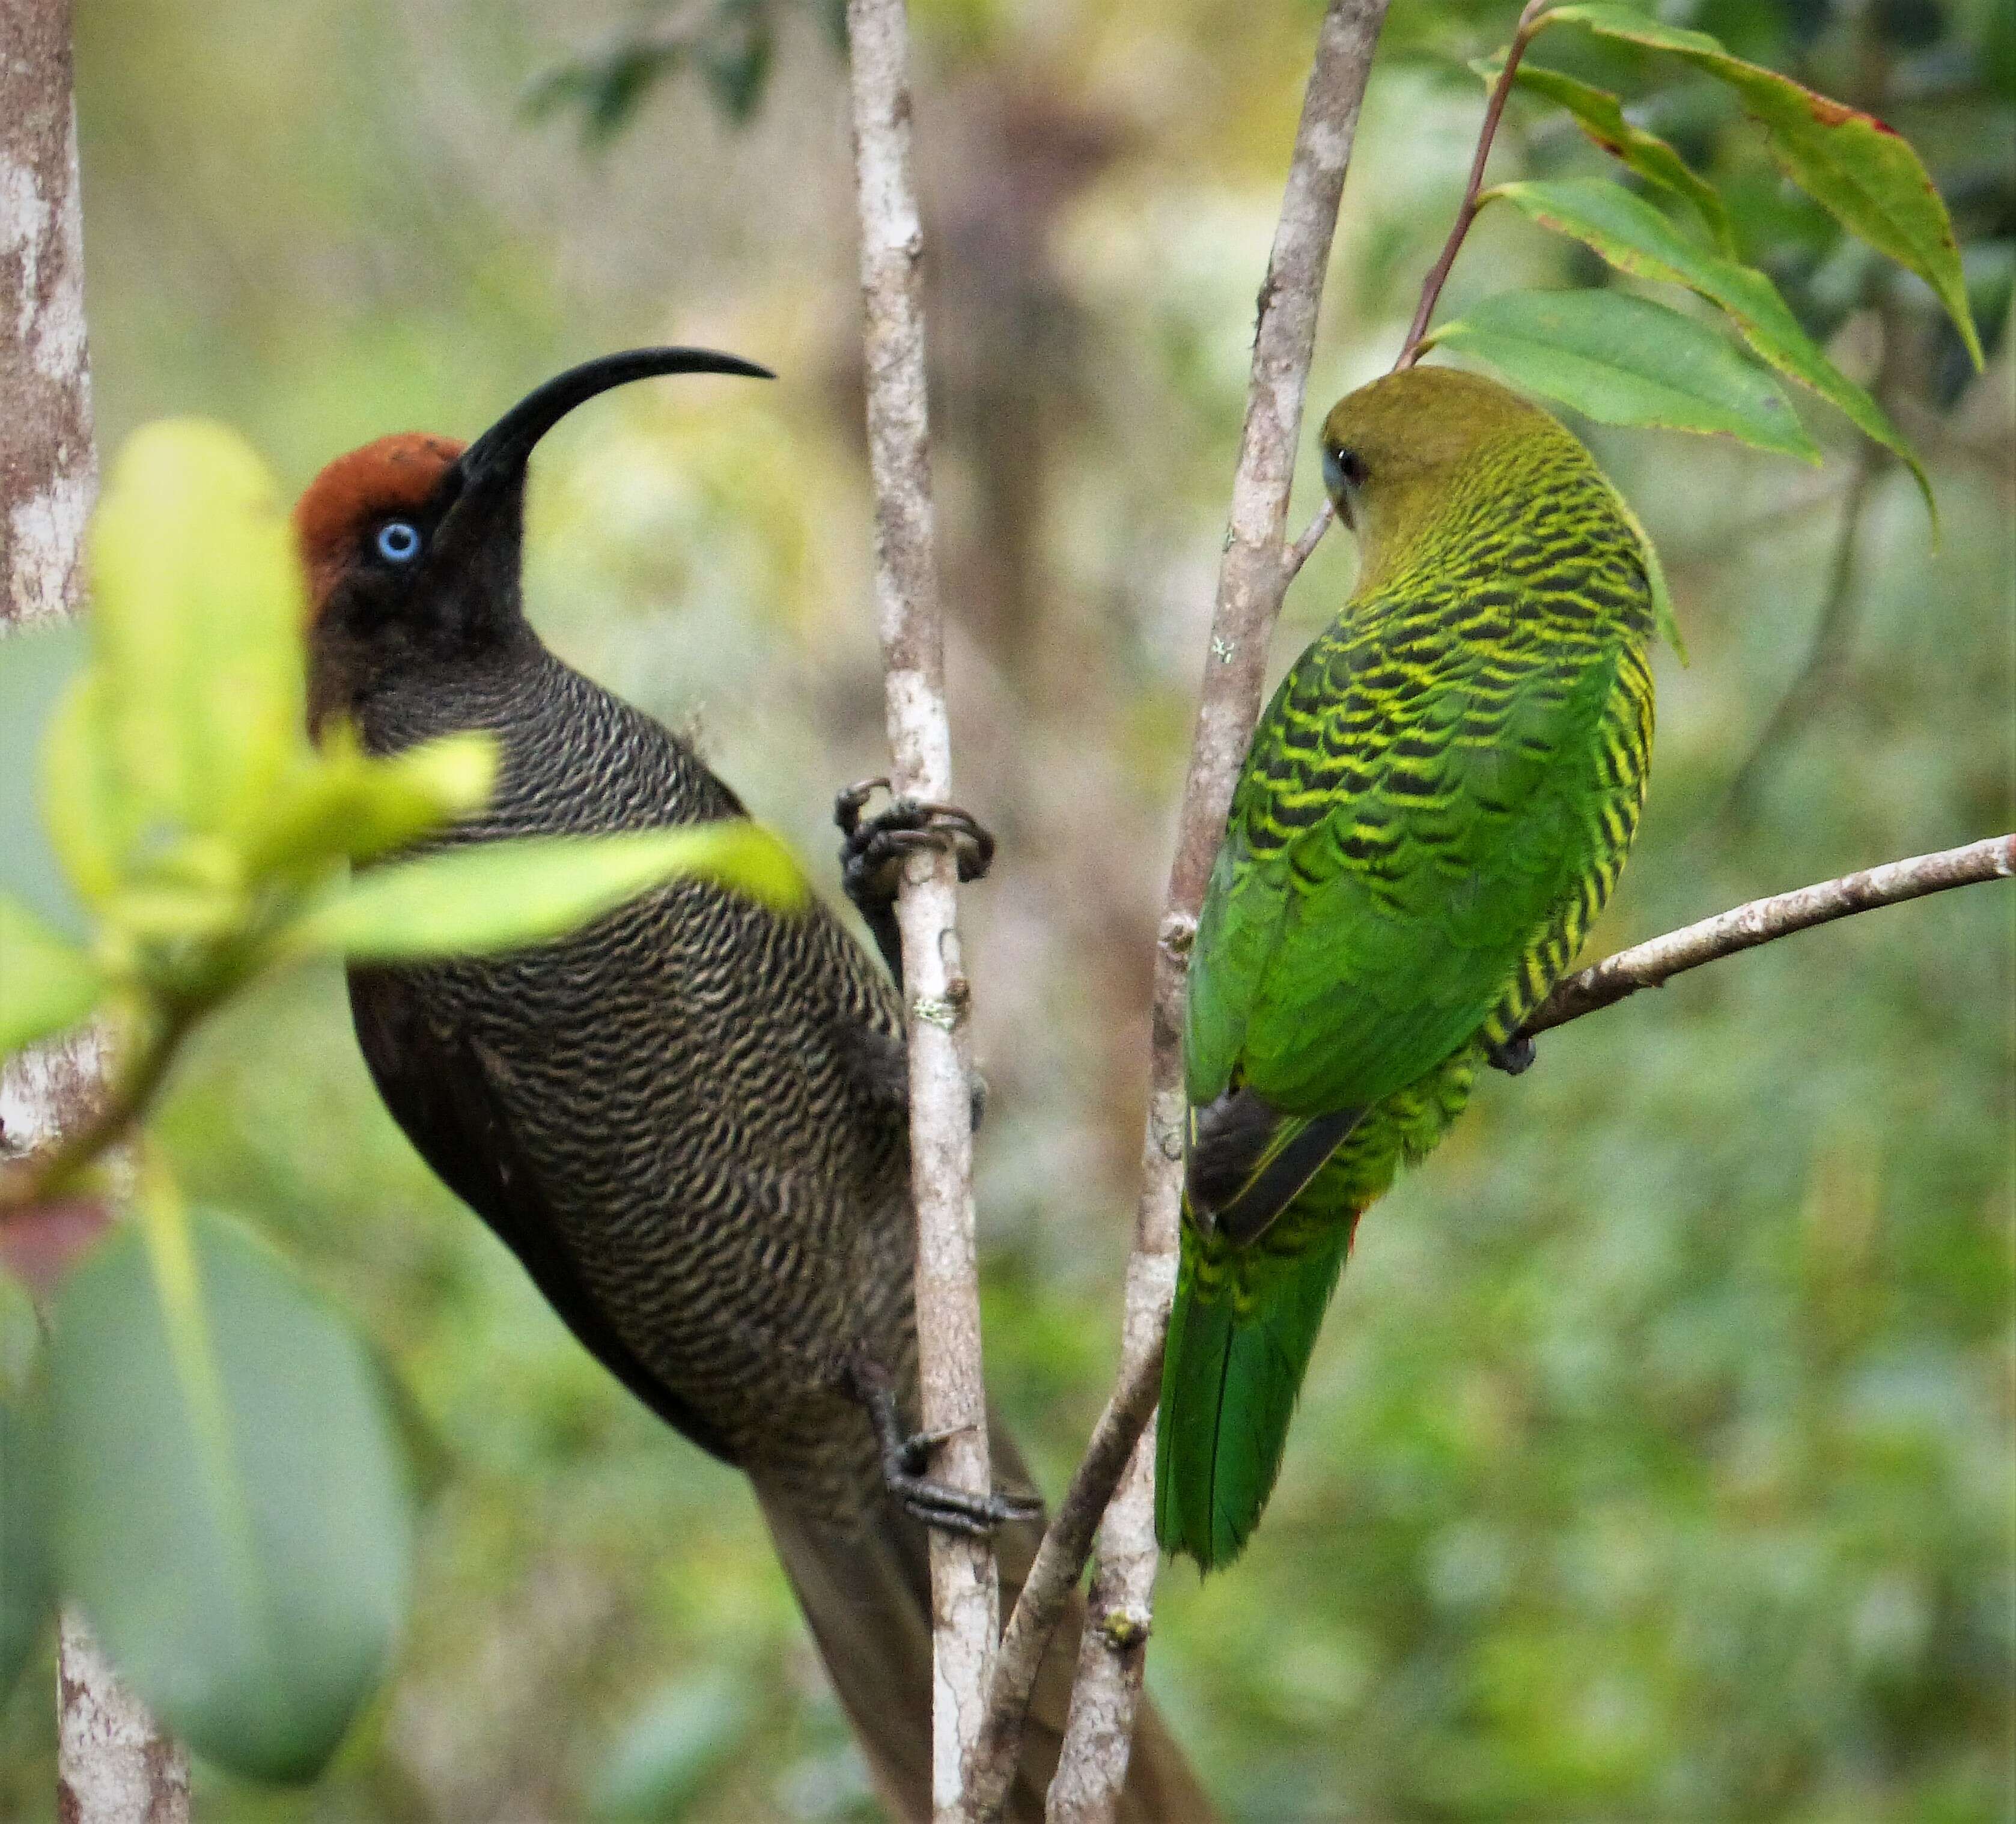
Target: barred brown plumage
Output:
[{"x": 688, "y": 1119}]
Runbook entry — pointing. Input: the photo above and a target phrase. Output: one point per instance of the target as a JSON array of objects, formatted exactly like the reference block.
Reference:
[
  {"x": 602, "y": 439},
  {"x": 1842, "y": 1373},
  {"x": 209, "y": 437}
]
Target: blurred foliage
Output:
[
  {"x": 1656, "y": 1458},
  {"x": 209, "y": 1467}
]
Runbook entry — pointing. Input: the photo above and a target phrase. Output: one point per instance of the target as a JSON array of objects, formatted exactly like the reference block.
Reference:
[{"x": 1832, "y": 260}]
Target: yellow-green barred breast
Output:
[{"x": 1440, "y": 796}]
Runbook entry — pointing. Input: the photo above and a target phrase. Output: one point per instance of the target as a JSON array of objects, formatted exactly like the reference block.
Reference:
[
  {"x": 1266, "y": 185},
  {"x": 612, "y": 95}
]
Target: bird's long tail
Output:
[
  {"x": 865, "y": 1591},
  {"x": 1239, "y": 1337}
]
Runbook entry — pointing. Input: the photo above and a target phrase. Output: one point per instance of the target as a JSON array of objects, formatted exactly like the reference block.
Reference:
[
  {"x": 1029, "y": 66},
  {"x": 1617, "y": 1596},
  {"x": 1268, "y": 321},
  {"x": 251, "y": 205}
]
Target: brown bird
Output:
[{"x": 688, "y": 1119}]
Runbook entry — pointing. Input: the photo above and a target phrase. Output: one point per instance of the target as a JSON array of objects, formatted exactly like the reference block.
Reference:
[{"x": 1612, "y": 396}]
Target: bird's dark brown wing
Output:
[{"x": 440, "y": 1095}]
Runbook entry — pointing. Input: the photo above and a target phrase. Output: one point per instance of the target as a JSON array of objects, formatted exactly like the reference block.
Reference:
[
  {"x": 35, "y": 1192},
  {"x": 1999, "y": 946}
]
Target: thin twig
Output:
[
  {"x": 1299, "y": 552},
  {"x": 1651, "y": 965},
  {"x": 1092, "y": 1767},
  {"x": 1432, "y": 287},
  {"x": 965, "y": 1592}
]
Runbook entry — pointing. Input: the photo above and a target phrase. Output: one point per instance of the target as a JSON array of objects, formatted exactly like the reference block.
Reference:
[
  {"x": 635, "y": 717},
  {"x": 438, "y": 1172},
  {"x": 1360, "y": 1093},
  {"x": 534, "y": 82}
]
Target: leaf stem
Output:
[
  {"x": 126, "y": 1098},
  {"x": 1472, "y": 198}
]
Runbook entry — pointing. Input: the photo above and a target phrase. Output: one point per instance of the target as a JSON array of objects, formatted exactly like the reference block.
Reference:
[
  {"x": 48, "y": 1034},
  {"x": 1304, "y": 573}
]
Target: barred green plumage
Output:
[{"x": 1435, "y": 807}]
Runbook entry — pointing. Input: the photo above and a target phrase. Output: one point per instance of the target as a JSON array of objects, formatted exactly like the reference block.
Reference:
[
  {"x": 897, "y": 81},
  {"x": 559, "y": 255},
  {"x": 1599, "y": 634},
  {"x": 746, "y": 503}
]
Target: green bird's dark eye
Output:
[{"x": 1343, "y": 469}]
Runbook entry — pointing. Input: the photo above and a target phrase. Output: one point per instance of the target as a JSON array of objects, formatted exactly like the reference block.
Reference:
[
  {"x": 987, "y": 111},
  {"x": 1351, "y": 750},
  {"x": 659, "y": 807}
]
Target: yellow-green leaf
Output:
[
  {"x": 93, "y": 824},
  {"x": 47, "y": 985},
  {"x": 1856, "y": 167},
  {"x": 1625, "y": 360},
  {"x": 505, "y": 895},
  {"x": 197, "y": 609},
  {"x": 1636, "y": 238},
  {"x": 1600, "y": 115},
  {"x": 349, "y": 805}
]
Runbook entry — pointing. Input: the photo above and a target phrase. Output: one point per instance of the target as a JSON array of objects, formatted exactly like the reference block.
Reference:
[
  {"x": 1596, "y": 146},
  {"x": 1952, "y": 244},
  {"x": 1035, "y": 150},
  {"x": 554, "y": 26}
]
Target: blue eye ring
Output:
[{"x": 398, "y": 541}]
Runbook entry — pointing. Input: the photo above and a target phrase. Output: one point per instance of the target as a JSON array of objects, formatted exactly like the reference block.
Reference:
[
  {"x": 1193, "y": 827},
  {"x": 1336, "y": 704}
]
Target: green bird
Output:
[{"x": 1435, "y": 806}]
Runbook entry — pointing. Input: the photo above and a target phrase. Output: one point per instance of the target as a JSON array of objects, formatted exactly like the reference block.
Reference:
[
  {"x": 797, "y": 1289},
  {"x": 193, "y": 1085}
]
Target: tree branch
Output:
[
  {"x": 1652, "y": 965},
  {"x": 1255, "y": 576},
  {"x": 112, "y": 1763},
  {"x": 1053, "y": 1574},
  {"x": 965, "y": 1592},
  {"x": 1431, "y": 286}
]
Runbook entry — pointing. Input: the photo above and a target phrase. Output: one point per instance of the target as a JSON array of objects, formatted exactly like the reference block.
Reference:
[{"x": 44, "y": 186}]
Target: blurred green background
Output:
[{"x": 1656, "y": 1461}]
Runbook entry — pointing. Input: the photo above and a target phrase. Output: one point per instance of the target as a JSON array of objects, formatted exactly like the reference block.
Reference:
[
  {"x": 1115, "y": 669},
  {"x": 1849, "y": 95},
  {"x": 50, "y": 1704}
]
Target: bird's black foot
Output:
[
  {"x": 1517, "y": 1054},
  {"x": 873, "y": 851},
  {"x": 905, "y": 1456}
]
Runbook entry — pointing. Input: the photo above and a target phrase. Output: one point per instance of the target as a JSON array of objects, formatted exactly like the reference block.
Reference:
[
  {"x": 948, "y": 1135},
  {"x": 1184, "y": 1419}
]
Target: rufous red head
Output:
[
  {"x": 386, "y": 482},
  {"x": 412, "y": 543}
]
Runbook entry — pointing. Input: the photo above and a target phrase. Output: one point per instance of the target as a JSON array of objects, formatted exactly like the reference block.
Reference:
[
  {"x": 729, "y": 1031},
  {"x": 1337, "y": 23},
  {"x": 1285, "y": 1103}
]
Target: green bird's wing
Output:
[{"x": 1431, "y": 794}]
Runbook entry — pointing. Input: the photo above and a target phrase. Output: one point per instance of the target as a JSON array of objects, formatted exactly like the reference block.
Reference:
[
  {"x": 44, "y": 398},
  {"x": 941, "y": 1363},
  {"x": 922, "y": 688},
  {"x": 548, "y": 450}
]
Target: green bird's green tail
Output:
[{"x": 1239, "y": 1338}]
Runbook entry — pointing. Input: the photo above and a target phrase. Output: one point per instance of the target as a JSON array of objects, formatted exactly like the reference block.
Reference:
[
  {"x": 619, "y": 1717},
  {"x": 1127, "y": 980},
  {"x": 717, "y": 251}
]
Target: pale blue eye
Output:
[{"x": 398, "y": 542}]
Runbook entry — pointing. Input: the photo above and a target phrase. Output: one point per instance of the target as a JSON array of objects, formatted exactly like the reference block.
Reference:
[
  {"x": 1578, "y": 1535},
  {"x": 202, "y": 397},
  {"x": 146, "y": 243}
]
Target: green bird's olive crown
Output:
[{"x": 1391, "y": 449}]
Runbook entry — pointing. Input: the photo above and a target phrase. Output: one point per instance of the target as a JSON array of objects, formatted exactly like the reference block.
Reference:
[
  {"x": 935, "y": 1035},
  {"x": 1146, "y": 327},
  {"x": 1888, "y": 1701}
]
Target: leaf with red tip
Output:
[
  {"x": 1858, "y": 169},
  {"x": 1634, "y": 237},
  {"x": 1601, "y": 116}
]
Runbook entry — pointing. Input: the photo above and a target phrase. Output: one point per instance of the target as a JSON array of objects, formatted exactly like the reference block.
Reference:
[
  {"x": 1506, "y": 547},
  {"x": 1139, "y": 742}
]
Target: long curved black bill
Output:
[{"x": 502, "y": 450}]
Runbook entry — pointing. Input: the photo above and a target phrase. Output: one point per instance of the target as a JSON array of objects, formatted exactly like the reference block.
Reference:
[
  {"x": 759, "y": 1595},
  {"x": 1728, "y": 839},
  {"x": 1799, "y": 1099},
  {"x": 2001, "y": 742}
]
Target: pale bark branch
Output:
[
  {"x": 965, "y": 1591},
  {"x": 1254, "y": 577},
  {"x": 1653, "y": 964},
  {"x": 113, "y": 1766},
  {"x": 1059, "y": 1563}
]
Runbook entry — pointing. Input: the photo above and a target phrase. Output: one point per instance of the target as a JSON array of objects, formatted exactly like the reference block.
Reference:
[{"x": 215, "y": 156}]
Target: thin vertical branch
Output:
[
  {"x": 965, "y": 1591},
  {"x": 1252, "y": 580},
  {"x": 1432, "y": 287},
  {"x": 113, "y": 1766}
]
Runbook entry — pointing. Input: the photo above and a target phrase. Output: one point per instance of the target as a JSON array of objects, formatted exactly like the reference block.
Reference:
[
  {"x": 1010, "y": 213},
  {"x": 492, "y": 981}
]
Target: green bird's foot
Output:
[
  {"x": 1516, "y": 1055},
  {"x": 872, "y": 852},
  {"x": 904, "y": 1455}
]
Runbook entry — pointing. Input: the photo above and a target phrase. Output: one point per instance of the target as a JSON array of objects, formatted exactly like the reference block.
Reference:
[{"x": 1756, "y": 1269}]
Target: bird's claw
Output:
[
  {"x": 873, "y": 850},
  {"x": 925, "y": 1499},
  {"x": 953, "y": 1510},
  {"x": 1516, "y": 1055}
]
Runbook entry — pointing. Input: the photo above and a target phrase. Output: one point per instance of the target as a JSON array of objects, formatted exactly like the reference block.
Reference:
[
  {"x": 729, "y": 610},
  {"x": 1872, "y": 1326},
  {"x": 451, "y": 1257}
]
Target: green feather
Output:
[
  {"x": 1436, "y": 805},
  {"x": 1230, "y": 1376}
]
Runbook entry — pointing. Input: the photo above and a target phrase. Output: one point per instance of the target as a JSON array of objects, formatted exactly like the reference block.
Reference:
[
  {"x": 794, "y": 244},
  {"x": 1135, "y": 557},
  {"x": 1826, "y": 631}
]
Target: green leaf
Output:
[
  {"x": 1600, "y": 115},
  {"x": 46, "y": 982},
  {"x": 36, "y": 667},
  {"x": 231, "y": 1509},
  {"x": 1625, "y": 360},
  {"x": 197, "y": 606},
  {"x": 27, "y": 1579},
  {"x": 1636, "y": 238},
  {"x": 504, "y": 895},
  {"x": 352, "y": 806},
  {"x": 1858, "y": 169},
  {"x": 93, "y": 824}
]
